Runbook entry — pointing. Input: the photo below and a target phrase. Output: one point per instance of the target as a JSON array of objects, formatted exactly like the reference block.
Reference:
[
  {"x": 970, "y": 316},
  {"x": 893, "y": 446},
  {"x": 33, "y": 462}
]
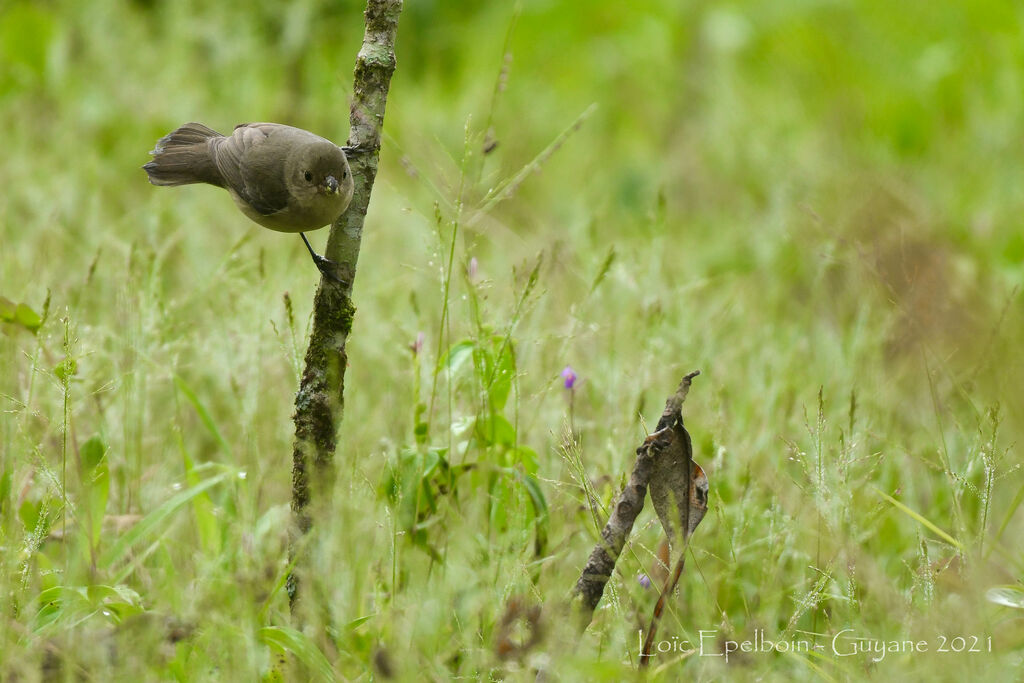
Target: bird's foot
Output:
[
  {"x": 328, "y": 269},
  {"x": 356, "y": 150},
  {"x": 326, "y": 266}
]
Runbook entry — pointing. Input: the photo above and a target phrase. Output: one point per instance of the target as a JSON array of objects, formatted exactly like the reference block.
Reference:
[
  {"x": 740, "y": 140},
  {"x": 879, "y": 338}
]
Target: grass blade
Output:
[
  {"x": 927, "y": 523},
  {"x": 204, "y": 414},
  {"x": 296, "y": 643},
  {"x": 149, "y": 524}
]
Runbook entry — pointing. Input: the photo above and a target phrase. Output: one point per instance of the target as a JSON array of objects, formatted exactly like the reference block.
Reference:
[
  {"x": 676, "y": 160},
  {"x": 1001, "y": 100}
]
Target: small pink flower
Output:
[
  {"x": 472, "y": 268},
  {"x": 417, "y": 345},
  {"x": 569, "y": 375}
]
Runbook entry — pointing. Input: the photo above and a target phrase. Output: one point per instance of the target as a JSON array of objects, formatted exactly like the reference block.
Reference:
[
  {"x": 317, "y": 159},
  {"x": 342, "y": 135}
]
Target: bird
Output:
[{"x": 283, "y": 178}]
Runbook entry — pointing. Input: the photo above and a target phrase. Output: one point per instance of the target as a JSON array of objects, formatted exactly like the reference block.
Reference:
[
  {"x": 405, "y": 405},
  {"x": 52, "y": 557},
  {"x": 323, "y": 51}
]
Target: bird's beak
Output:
[{"x": 331, "y": 184}]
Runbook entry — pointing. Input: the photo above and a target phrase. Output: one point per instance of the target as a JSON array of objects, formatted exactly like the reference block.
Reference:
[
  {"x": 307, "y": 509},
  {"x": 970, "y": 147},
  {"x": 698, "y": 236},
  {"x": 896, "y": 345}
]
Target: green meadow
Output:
[{"x": 818, "y": 204}]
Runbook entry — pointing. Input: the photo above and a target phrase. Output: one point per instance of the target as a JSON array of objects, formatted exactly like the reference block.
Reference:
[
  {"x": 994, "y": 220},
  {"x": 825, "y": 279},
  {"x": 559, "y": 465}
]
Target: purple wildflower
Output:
[
  {"x": 472, "y": 268},
  {"x": 569, "y": 375},
  {"x": 417, "y": 345},
  {"x": 644, "y": 581}
]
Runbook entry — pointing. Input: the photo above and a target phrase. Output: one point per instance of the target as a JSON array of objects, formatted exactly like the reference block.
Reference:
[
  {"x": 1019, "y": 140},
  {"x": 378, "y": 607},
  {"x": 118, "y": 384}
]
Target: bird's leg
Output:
[{"x": 324, "y": 265}]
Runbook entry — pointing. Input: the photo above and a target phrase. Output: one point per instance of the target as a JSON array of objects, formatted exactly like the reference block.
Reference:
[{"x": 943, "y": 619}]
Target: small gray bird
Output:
[{"x": 284, "y": 178}]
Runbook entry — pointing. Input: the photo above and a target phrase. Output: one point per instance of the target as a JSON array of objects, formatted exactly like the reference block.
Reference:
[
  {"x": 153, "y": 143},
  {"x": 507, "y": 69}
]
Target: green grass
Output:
[{"x": 817, "y": 204}]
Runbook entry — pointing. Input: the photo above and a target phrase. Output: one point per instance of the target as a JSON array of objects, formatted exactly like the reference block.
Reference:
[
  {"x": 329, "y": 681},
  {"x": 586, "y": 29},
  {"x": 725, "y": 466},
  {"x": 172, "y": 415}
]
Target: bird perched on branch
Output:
[{"x": 284, "y": 178}]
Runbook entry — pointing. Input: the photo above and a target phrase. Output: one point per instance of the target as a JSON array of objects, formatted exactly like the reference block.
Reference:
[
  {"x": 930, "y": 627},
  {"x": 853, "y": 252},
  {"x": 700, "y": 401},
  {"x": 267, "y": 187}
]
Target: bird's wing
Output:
[{"x": 250, "y": 169}]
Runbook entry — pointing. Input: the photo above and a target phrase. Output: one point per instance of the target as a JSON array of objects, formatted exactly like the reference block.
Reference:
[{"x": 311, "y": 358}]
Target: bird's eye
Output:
[
  {"x": 308, "y": 176},
  {"x": 344, "y": 174}
]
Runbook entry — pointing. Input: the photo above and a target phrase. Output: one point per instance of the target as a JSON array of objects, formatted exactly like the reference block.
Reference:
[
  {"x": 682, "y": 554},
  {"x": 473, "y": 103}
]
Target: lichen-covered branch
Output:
[
  {"x": 590, "y": 586},
  {"x": 674, "y": 404},
  {"x": 664, "y": 464},
  {"x": 319, "y": 401}
]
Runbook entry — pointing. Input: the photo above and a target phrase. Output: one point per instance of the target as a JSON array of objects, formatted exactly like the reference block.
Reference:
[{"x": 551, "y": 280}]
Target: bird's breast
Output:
[{"x": 298, "y": 215}]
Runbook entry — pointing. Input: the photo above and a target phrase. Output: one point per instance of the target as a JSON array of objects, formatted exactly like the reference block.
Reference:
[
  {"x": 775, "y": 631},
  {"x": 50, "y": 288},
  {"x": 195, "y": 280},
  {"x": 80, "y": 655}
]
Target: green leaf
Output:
[
  {"x": 527, "y": 457},
  {"x": 149, "y": 524},
  {"x": 202, "y": 505},
  {"x": 389, "y": 487},
  {"x": 501, "y": 375},
  {"x": 28, "y": 513},
  {"x": 57, "y": 602},
  {"x": 100, "y": 593},
  {"x": 98, "y": 486},
  {"x": 495, "y": 430},
  {"x": 66, "y": 369},
  {"x": 27, "y": 318},
  {"x": 540, "y": 509},
  {"x": 114, "y": 603},
  {"x": 422, "y": 429},
  {"x": 537, "y": 499},
  {"x": 408, "y": 488},
  {"x": 433, "y": 460},
  {"x": 456, "y": 356},
  {"x": 500, "y": 500},
  {"x": 204, "y": 414},
  {"x": 20, "y": 315},
  {"x": 359, "y": 621},
  {"x": 284, "y": 639},
  {"x": 96, "y": 481},
  {"x": 1008, "y": 596},
  {"x": 71, "y": 605},
  {"x": 92, "y": 453},
  {"x": 116, "y": 612}
]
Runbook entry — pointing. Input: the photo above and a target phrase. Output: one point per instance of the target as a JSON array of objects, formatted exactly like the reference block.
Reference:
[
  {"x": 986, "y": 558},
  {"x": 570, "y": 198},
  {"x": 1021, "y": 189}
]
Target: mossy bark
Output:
[{"x": 320, "y": 400}]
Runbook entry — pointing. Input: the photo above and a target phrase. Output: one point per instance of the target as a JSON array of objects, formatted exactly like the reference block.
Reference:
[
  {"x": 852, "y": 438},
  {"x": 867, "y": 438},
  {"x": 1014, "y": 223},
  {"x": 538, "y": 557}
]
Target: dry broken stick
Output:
[
  {"x": 664, "y": 462},
  {"x": 590, "y": 586}
]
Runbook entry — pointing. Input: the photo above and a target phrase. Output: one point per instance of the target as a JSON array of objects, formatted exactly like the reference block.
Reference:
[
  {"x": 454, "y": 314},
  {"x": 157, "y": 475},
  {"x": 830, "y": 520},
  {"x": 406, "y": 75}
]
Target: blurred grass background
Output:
[{"x": 816, "y": 203}]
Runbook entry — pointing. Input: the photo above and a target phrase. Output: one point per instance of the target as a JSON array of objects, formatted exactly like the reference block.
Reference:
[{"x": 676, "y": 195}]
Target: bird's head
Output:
[{"x": 321, "y": 169}]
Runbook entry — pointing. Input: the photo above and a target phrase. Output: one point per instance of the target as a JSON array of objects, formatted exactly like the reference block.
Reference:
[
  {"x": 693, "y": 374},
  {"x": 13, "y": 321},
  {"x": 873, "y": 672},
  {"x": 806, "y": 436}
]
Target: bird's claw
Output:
[
  {"x": 327, "y": 268},
  {"x": 356, "y": 150}
]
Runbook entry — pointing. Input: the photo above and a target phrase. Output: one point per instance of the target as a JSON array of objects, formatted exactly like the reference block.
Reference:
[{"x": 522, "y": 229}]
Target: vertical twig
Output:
[{"x": 319, "y": 401}]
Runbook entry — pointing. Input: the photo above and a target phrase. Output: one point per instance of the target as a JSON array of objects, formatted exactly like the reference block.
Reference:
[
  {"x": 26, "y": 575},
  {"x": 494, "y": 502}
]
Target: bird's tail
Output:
[{"x": 185, "y": 156}]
